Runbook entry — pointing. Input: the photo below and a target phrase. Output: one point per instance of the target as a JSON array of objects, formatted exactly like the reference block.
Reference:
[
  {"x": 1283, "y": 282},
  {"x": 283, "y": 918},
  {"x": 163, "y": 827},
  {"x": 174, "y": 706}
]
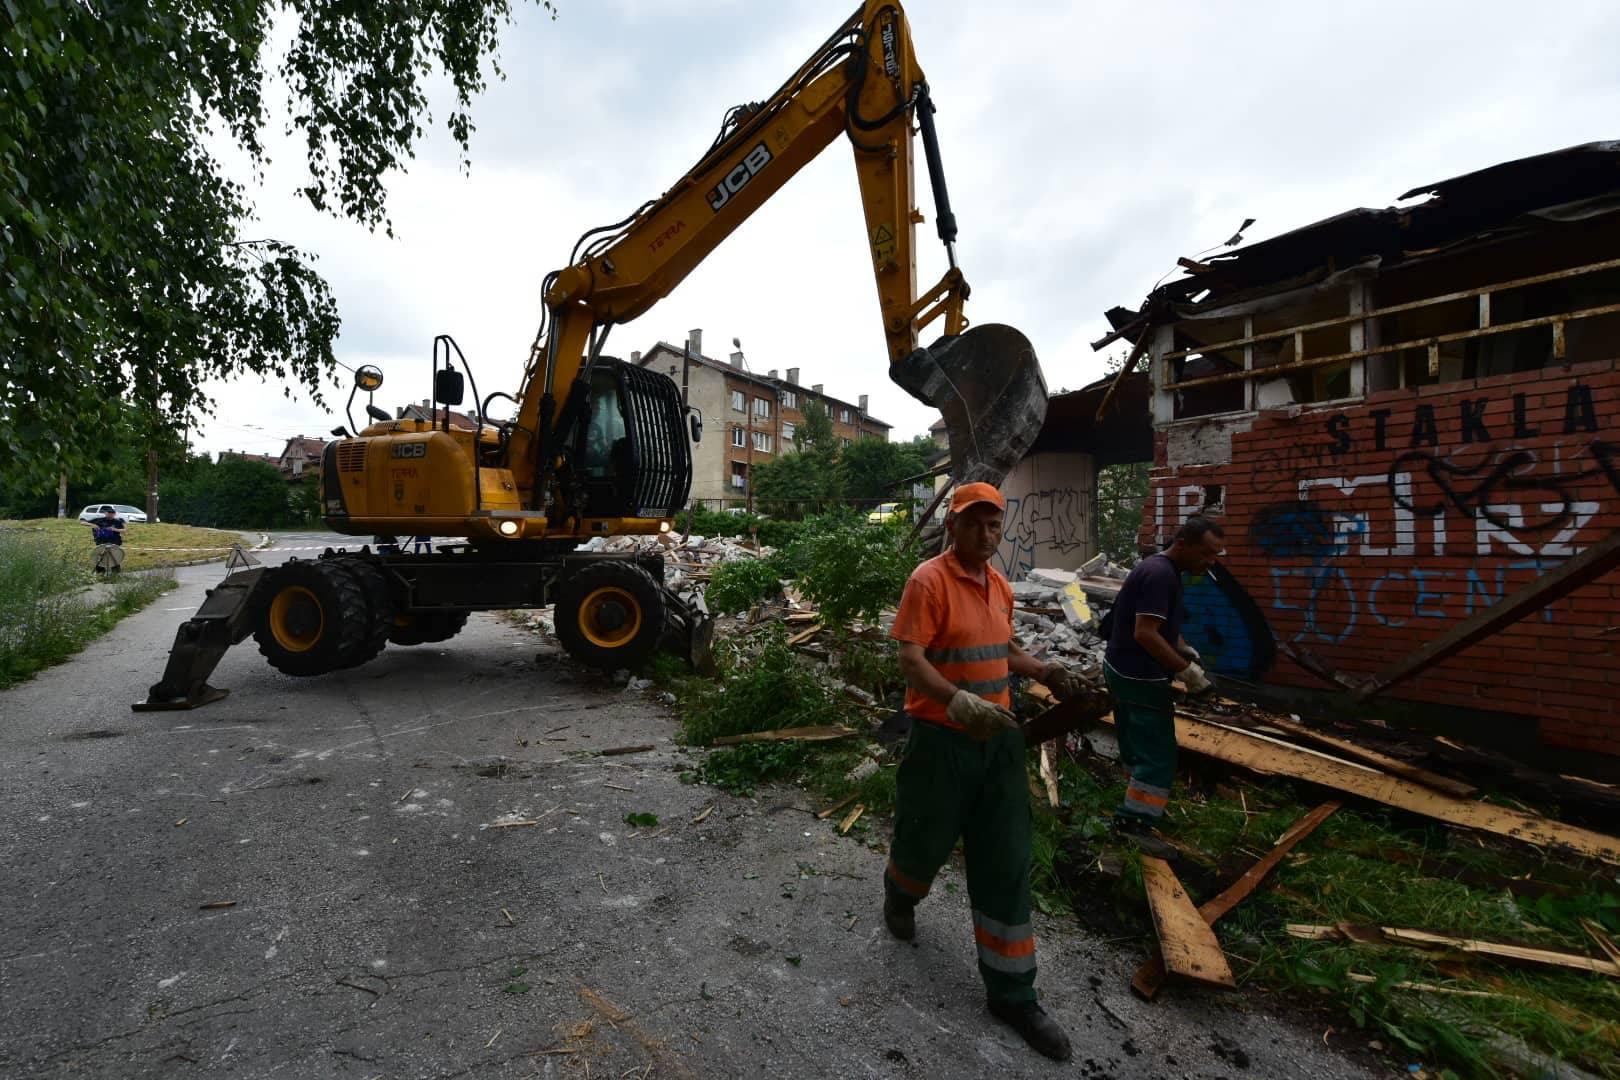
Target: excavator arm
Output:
[{"x": 864, "y": 82}]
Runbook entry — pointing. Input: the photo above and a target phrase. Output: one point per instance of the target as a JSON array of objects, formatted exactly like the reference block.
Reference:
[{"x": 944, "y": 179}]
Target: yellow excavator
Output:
[{"x": 598, "y": 447}]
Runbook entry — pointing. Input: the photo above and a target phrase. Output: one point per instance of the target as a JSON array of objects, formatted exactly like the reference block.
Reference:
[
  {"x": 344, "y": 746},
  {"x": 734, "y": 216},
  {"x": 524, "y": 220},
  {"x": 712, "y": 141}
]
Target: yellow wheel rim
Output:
[
  {"x": 610, "y": 617},
  {"x": 296, "y": 619}
]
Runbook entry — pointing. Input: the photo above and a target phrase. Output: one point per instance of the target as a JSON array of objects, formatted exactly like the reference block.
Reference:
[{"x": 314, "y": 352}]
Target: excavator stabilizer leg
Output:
[
  {"x": 988, "y": 385},
  {"x": 225, "y": 618}
]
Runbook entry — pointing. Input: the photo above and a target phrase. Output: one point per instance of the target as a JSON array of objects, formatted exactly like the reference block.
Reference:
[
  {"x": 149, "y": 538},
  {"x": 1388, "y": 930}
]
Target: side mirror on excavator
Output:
[
  {"x": 449, "y": 385},
  {"x": 695, "y": 422}
]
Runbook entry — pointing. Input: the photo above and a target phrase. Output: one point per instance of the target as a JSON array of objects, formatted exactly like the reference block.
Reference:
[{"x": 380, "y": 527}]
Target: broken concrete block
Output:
[
  {"x": 1076, "y": 611},
  {"x": 1052, "y": 579},
  {"x": 866, "y": 768},
  {"x": 1093, "y": 565},
  {"x": 1030, "y": 592}
]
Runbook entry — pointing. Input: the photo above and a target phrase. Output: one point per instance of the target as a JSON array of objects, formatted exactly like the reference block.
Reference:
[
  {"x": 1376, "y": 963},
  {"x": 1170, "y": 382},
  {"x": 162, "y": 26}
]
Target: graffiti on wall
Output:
[
  {"x": 1045, "y": 525},
  {"x": 1440, "y": 532},
  {"x": 1226, "y": 626}
]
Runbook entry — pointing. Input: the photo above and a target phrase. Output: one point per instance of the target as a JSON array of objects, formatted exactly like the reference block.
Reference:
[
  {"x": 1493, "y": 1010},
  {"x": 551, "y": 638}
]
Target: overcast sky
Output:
[{"x": 1086, "y": 145}]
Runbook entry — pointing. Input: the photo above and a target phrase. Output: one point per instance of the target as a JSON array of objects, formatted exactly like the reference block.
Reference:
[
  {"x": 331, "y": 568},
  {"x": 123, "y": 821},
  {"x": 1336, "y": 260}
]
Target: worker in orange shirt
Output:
[{"x": 963, "y": 773}]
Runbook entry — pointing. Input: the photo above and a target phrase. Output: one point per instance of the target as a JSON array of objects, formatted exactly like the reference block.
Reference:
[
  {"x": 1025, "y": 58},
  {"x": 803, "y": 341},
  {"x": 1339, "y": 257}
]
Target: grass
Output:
[
  {"x": 45, "y": 617},
  {"x": 1362, "y": 865},
  {"x": 146, "y": 547}
]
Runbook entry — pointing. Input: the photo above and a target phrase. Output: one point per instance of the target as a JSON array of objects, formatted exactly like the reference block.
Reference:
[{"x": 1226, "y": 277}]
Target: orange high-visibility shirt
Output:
[{"x": 964, "y": 628}]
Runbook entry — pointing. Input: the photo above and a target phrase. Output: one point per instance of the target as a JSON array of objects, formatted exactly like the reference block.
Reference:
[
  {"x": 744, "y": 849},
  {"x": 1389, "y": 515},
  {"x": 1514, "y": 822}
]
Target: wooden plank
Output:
[
  {"x": 792, "y": 734},
  {"x": 1049, "y": 774},
  {"x": 1276, "y": 758},
  {"x": 1425, "y": 939},
  {"x": 1187, "y": 941},
  {"x": 1150, "y": 977},
  {"x": 1570, "y": 575},
  {"x": 1504, "y": 951},
  {"x": 805, "y": 635},
  {"x": 1457, "y": 789},
  {"x": 1124, "y": 372},
  {"x": 837, "y": 806}
]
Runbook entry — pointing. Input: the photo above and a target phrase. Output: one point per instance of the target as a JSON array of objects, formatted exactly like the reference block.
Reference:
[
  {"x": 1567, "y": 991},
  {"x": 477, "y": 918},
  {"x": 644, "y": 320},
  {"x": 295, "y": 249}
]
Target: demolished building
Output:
[{"x": 1402, "y": 416}]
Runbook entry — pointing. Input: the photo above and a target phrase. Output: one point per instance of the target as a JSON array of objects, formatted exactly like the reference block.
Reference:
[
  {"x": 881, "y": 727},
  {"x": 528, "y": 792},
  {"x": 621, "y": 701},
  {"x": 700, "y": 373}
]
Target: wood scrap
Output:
[
  {"x": 805, "y": 635},
  {"x": 1150, "y": 977},
  {"x": 1262, "y": 754},
  {"x": 1605, "y": 943},
  {"x": 1049, "y": 774},
  {"x": 615, "y": 751},
  {"x": 823, "y": 815},
  {"x": 798, "y": 734},
  {"x": 214, "y": 905},
  {"x": 1424, "y": 939},
  {"x": 850, "y": 820},
  {"x": 1186, "y": 940},
  {"x": 1457, "y": 789},
  {"x": 1422, "y": 987}
]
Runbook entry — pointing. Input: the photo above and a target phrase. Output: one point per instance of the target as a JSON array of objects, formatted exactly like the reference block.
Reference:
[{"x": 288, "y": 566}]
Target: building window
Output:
[
  {"x": 737, "y": 438},
  {"x": 762, "y": 407},
  {"x": 739, "y": 475},
  {"x": 843, "y": 414},
  {"x": 790, "y": 400},
  {"x": 762, "y": 442},
  {"x": 738, "y": 402},
  {"x": 787, "y": 432},
  {"x": 844, "y": 441}
]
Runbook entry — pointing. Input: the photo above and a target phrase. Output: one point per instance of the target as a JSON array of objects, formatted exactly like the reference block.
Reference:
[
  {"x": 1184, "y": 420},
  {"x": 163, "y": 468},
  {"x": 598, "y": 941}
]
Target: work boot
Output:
[
  {"x": 900, "y": 916},
  {"x": 1136, "y": 831},
  {"x": 1030, "y": 1020}
]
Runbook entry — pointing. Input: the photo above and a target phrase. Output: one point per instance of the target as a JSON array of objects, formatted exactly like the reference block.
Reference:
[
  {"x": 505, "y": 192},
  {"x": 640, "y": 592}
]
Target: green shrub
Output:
[
  {"x": 739, "y": 585},
  {"x": 762, "y": 686},
  {"x": 740, "y": 769},
  {"x": 851, "y": 570}
]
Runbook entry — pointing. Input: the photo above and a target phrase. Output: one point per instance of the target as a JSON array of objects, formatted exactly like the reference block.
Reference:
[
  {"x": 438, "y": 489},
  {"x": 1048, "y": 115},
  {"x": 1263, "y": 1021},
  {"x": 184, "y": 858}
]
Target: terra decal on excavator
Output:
[{"x": 598, "y": 447}]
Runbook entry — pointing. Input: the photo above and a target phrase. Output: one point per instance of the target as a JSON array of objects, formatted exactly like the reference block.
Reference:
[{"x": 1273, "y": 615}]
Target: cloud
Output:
[{"x": 1087, "y": 146}]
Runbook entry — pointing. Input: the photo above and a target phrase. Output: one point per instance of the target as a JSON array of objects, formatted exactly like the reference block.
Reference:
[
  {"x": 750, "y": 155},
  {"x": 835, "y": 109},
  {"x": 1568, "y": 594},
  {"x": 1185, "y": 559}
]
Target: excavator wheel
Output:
[
  {"x": 610, "y": 615},
  {"x": 379, "y": 608},
  {"x": 426, "y": 627},
  {"x": 314, "y": 619}
]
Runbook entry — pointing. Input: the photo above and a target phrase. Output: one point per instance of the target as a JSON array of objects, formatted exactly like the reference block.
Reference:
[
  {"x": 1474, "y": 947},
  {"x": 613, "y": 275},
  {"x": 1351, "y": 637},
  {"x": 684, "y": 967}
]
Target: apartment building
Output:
[{"x": 748, "y": 417}]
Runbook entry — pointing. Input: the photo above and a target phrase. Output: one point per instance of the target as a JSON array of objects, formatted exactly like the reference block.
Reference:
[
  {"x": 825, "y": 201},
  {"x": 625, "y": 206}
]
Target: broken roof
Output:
[{"x": 1532, "y": 193}]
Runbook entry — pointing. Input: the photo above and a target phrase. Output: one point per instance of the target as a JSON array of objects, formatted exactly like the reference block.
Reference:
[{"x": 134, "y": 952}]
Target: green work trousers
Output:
[
  {"x": 1145, "y": 721},
  {"x": 951, "y": 786}
]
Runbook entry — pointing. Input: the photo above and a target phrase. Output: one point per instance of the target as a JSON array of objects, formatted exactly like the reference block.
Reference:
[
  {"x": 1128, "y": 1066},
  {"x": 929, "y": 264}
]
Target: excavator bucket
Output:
[{"x": 988, "y": 385}]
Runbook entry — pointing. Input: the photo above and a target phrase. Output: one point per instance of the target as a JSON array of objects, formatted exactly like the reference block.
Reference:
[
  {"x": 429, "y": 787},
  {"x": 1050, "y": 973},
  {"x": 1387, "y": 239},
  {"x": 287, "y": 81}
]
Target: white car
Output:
[{"x": 130, "y": 514}]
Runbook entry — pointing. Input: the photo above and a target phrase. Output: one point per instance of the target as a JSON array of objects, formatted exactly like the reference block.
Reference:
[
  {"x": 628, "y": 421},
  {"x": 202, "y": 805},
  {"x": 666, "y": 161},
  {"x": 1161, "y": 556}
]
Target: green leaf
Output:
[{"x": 641, "y": 820}]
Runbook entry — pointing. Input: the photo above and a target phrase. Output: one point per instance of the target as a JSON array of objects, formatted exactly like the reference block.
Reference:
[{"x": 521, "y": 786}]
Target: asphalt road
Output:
[{"x": 383, "y": 924}]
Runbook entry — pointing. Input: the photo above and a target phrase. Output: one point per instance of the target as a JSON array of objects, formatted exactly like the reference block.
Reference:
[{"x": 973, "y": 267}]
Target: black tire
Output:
[
  {"x": 379, "y": 608},
  {"x": 314, "y": 620},
  {"x": 610, "y": 615},
  {"x": 426, "y": 627}
]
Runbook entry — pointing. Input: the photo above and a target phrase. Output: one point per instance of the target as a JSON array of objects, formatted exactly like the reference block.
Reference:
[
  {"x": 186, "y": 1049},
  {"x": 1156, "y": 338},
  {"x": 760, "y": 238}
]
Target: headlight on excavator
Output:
[
  {"x": 509, "y": 528},
  {"x": 663, "y": 526}
]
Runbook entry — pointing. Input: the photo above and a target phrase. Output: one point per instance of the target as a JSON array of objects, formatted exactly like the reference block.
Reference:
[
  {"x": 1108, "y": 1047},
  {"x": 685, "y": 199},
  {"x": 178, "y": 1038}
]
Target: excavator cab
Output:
[{"x": 632, "y": 458}]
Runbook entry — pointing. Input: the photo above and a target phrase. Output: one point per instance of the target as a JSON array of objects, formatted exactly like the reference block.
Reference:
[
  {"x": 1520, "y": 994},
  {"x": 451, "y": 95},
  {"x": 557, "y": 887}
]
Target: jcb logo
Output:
[
  {"x": 410, "y": 450},
  {"x": 738, "y": 178}
]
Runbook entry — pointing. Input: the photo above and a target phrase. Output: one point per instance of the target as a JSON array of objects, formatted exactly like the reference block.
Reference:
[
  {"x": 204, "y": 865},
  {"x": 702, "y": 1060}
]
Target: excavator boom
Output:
[{"x": 865, "y": 83}]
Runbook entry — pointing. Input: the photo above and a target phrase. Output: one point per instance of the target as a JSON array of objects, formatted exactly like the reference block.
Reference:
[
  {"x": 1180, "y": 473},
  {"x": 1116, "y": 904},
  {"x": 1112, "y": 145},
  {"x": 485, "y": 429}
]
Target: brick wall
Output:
[{"x": 1360, "y": 533}]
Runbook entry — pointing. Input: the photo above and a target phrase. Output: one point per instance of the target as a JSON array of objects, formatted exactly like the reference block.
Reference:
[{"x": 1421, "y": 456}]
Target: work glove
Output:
[
  {"x": 1193, "y": 678},
  {"x": 1063, "y": 683},
  {"x": 1189, "y": 652},
  {"x": 979, "y": 718}
]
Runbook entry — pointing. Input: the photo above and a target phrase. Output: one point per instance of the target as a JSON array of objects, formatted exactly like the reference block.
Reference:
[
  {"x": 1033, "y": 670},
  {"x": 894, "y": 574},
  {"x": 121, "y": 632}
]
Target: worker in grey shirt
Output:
[{"x": 1145, "y": 648}]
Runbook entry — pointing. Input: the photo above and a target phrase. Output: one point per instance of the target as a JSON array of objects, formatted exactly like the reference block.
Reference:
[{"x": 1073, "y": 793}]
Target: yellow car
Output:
[{"x": 887, "y": 512}]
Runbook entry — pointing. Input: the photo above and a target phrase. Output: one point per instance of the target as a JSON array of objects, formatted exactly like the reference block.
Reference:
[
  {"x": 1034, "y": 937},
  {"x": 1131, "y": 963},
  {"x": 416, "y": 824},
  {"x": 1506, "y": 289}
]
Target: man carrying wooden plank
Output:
[
  {"x": 1145, "y": 648},
  {"x": 963, "y": 773}
]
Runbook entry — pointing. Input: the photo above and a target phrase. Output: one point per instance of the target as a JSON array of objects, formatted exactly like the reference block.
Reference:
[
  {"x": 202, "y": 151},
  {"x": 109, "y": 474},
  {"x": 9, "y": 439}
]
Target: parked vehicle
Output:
[
  {"x": 885, "y": 512},
  {"x": 130, "y": 514}
]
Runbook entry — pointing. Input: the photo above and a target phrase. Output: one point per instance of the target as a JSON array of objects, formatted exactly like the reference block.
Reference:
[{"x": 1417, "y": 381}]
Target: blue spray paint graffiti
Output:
[{"x": 1226, "y": 626}]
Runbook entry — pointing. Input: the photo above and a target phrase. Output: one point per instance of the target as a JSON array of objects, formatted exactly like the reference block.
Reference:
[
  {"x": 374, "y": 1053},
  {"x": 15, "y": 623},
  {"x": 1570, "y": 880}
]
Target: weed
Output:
[
  {"x": 44, "y": 617},
  {"x": 872, "y": 665},
  {"x": 642, "y": 821},
  {"x": 853, "y": 570}
]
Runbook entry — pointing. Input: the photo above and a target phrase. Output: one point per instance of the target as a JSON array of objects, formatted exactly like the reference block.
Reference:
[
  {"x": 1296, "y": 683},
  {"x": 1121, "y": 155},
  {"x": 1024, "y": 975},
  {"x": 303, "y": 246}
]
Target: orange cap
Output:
[{"x": 968, "y": 494}]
